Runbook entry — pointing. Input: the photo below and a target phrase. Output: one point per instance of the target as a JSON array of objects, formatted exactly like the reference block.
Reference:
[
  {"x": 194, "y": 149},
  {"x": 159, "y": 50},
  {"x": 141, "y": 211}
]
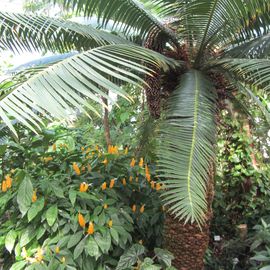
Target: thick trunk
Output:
[{"x": 189, "y": 242}]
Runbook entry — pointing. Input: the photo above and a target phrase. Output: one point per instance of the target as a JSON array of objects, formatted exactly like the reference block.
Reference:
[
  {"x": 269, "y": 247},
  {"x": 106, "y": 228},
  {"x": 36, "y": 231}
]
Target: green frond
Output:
[
  {"x": 254, "y": 72},
  {"x": 54, "y": 90},
  {"x": 256, "y": 48},
  {"x": 129, "y": 14},
  {"x": 187, "y": 146},
  {"x": 20, "y": 32}
]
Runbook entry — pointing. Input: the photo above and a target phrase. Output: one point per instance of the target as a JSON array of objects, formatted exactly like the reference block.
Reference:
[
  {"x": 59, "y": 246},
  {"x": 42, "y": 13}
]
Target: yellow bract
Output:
[
  {"x": 141, "y": 162},
  {"x": 81, "y": 220},
  {"x": 104, "y": 186},
  {"x": 134, "y": 208},
  {"x": 142, "y": 209},
  {"x": 34, "y": 196},
  {"x": 83, "y": 187},
  {"x": 105, "y": 206},
  {"x": 124, "y": 181},
  {"x": 112, "y": 183},
  {"x": 76, "y": 168},
  {"x": 132, "y": 163},
  {"x": 57, "y": 250},
  {"x": 110, "y": 223},
  {"x": 105, "y": 161},
  {"x": 91, "y": 228},
  {"x": 113, "y": 150}
]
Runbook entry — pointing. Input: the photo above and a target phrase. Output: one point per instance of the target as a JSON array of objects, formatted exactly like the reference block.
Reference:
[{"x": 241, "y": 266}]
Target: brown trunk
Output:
[
  {"x": 106, "y": 122},
  {"x": 189, "y": 242}
]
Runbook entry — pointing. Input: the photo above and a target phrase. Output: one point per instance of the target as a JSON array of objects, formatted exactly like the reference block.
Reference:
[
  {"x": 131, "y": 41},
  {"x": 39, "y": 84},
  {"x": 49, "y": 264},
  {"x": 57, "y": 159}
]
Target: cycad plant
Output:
[{"x": 199, "y": 52}]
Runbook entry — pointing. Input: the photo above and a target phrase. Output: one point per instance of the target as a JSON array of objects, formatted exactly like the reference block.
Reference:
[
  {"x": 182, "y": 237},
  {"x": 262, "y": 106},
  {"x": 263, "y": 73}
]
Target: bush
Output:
[{"x": 65, "y": 205}]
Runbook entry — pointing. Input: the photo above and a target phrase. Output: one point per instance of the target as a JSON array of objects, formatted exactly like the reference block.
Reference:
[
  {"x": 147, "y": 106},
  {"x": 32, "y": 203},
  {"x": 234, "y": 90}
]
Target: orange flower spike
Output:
[
  {"x": 4, "y": 186},
  {"x": 83, "y": 187},
  {"x": 8, "y": 181},
  {"x": 158, "y": 186},
  {"x": 81, "y": 220},
  {"x": 104, "y": 186},
  {"x": 39, "y": 255},
  {"x": 147, "y": 169},
  {"x": 57, "y": 250},
  {"x": 112, "y": 183},
  {"x": 130, "y": 179},
  {"x": 134, "y": 208},
  {"x": 110, "y": 151},
  {"x": 105, "y": 206},
  {"x": 124, "y": 181},
  {"x": 34, "y": 196},
  {"x": 152, "y": 184},
  {"x": 105, "y": 162},
  {"x": 132, "y": 163},
  {"x": 126, "y": 150},
  {"x": 76, "y": 168},
  {"x": 110, "y": 223},
  {"x": 142, "y": 209},
  {"x": 141, "y": 162},
  {"x": 89, "y": 168},
  {"x": 91, "y": 228},
  {"x": 115, "y": 150},
  {"x": 148, "y": 177}
]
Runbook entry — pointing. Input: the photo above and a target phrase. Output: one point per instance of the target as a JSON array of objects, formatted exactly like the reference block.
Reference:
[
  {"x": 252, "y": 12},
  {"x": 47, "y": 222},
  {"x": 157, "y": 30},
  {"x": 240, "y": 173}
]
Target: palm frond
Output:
[
  {"x": 20, "y": 32},
  {"x": 69, "y": 83},
  {"x": 255, "y": 48},
  {"x": 187, "y": 146},
  {"x": 254, "y": 72},
  {"x": 130, "y": 14}
]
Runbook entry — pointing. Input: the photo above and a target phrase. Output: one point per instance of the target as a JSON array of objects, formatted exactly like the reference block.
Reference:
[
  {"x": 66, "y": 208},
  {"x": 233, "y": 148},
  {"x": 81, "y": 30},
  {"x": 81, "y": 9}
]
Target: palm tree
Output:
[{"x": 199, "y": 52}]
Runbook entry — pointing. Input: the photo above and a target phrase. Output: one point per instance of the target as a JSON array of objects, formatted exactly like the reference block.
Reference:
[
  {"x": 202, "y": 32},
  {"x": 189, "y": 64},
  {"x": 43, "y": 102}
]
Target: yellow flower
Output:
[
  {"x": 24, "y": 253},
  {"x": 124, "y": 181},
  {"x": 112, "y": 183},
  {"x": 158, "y": 186},
  {"x": 130, "y": 179},
  {"x": 91, "y": 228},
  {"x": 104, "y": 186},
  {"x": 126, "y": 150},
  {"x": 147, "y": 169},
  {"x": 105, "y": 162},
  {"x": 132, "y": 163},
  {"x": 105, "y": 206},
  {"x": 34, "y": 196},
  {"x": 76, "y": 168},
  {"x": 148, "y": 177},
  {"x": 63, "y": 259},
  {"x": 54, "y": 147},
  {"x": 81, "y": 220},
  {"x": 82, "y": 149},
  {"x": 39, "y": 255},
  {"x": 8, "y": 181},
  {"x": 47, "y": 159},
  {"x": 134, "y": 208},
  {"x": 88, "y": 150},
  {"x": 142, "y": 209},
  {"x": 141, "y": 162},
  {"x": 113, "y": 150},
  {"x": 110, "y": 223},
  {"x": 89, "y": 167},
  {"x": 4, "y": 186},
  {"x": 83, "y": 187},
  {"x": 57, "y": 250}
]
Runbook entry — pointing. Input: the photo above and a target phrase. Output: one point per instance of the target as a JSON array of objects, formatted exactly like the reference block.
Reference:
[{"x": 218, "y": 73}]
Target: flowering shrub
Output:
[{"x": 64, "y": 205}]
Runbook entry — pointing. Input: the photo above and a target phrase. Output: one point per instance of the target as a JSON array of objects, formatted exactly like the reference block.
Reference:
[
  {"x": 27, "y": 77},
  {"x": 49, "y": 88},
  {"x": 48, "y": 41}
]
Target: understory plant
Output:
[{"x": 66, "y": 205}]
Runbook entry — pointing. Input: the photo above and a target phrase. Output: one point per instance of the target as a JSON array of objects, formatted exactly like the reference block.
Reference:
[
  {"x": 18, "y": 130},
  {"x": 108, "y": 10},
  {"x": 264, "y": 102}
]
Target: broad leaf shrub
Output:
[{"x": 66, "y": 205}]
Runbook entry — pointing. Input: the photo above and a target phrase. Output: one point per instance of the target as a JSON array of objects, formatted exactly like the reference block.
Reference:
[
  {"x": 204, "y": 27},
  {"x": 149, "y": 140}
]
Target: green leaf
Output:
[
  {"x": 129, "y": 258},
  {"x": 18, "y": 265},
  {"x": 79, "y": 249},
  {"x": 24, "y": 196},
  {"x": 35, "y": 208},
  {"x": 72, "y": 196},
  {"x": 104, "y": 242},
  {"x": 164, "y": 256},
  {"x": 10, "y": 240},
  {"x": 27, "y": 235},
  {"x": 92, "y": 247},
  {"x": 74, "y": 239},
  {"x": 114, "y": 235},
  {"x": 51, "y": 214}
]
